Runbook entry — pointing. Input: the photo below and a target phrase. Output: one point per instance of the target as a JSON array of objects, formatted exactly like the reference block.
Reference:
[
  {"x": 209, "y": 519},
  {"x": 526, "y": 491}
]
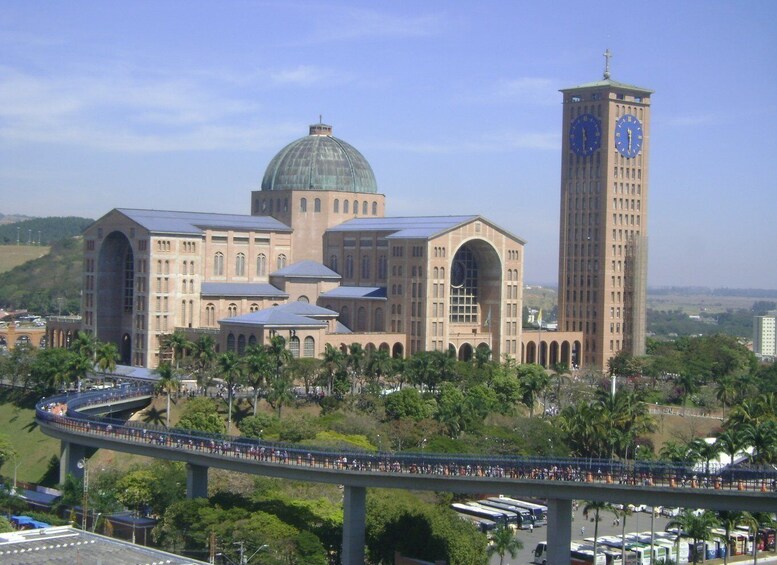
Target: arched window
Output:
[
  {"x": 337, "y": 206},
  {"x": 240, "y": 265},
  {"x": 303, "y": 205},
  {"x": 364, "y": 208},
  {"x": 345, "y": 316},
  {"x": 251, "y": 340},
  {"x": 361, "y": 319},
  {"x": 254, "y": 307},
  {"x": 333, "y": 263},
  {"x": 378, "y": 321},
  {"x": 374, "y": 208},
  {"x": 365, "y": 266},
  {"x": 355, "y": 207},
  {"x": 309, "y": 348},
  {"x": 304, "y": 299},
  {"x": 345, "y": 206},
  {"x": 231, "y": 342},
  {"x": 183, "y": 313},
  {"x": 317, "y": 205},
  {"x": 241, "y": 344},
  {"x": 232, "y": 310},
  {"x": 294, "y": 346},
  {"x": 382, "y": 267},
  {"x": 218, "y": 264},
  {"x": 349, "y": 266},
  {"x": 210, "y": 315},
  {"x": 281, "y": 261},
  {"x": 261, "y": 265}
]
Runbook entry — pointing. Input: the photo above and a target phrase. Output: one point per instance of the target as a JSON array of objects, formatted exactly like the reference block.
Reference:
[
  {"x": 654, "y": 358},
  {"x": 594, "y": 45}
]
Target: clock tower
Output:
[{"x": 603, "y": 228}]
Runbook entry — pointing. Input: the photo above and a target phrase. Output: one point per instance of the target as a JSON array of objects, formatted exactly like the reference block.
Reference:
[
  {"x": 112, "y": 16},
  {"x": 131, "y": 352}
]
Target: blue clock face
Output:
[
  {"x": 585, "y": 135},
  {"x": 628, "y": 136}
]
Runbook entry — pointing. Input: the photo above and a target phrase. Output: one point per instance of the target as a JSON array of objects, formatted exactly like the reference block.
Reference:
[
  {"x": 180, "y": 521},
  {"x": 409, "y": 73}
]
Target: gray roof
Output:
[
  {"x": 414, "y": 227},
  {"x": 248, "y": 290},
  {"x": 418, "y": 226},
  {"x": 292, "y": 314},
  {"x": 320, "y": 161},
  {"x": 66, "y": 545},
  {"x": 373, "y": 292},
  {"x": 161, "y": 221},
  {"x": 609, "y": 83},
  {"x": 306, "y": 269}
]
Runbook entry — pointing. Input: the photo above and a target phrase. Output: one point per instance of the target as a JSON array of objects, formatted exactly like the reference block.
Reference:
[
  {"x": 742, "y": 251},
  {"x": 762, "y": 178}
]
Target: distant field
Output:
[
  {"x": 694, "y": 304},
  {"x": 14, "y": 255}
]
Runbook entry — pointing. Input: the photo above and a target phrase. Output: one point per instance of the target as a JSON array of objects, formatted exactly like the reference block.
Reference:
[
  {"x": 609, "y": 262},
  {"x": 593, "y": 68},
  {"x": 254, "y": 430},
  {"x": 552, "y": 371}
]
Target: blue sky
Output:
[{"x": 181, "y": 105}]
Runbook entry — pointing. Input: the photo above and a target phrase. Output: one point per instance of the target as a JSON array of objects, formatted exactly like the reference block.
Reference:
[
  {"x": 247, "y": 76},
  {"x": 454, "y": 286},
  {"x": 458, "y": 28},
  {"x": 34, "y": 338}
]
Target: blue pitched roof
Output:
[
  {"x": 292, "y": 314},
  {"x": 254, "y": 290},
  {"x": 306, "y": 269},
  {"x": 375, "y": 292},
  {"x": 412, "y": 227},
  {"x": 162, "y": 221}
]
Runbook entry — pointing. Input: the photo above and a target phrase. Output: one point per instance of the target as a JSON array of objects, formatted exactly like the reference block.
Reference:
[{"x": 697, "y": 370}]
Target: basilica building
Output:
[{"x": 316, "y": 261}]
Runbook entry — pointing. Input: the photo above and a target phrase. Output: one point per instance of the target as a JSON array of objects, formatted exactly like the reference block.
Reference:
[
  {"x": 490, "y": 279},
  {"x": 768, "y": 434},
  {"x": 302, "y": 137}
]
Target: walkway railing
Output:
[{"x": 64, "y": 412}]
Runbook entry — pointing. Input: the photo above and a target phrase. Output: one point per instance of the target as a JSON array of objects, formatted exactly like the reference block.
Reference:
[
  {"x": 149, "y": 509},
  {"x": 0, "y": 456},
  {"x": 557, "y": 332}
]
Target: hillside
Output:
[
  {"x": 14, "y": 255},
  {"x": 48, "y": 285},
  {"x": 43, "y": 231}
]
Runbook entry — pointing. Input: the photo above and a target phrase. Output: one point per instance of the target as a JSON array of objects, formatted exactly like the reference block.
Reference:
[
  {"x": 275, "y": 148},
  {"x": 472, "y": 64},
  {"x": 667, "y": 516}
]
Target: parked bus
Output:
[
  {"x": 578, "y": 556},
  {"x": 538, "y": 511},
  {"x": 481, "y": 524},
  {"x": 637, "y": 552},
  {"x": 525, "y": 518},
  {"x": 498, "y": 517}
]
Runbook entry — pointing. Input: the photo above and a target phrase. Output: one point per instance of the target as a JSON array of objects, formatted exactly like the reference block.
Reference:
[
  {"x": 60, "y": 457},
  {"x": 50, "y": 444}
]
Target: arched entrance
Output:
[
  {"x": 465, "y": 352},
  {"x": 115, "y": 292}
]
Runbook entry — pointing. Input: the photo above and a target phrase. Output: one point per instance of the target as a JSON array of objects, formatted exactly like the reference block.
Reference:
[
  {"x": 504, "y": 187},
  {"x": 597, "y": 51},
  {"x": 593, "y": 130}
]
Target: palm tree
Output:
[
  {"x": 752, "y": 523},
  {"x": 595, "y": 506},
  {"x": 699, "y": 528},
  {"x": 726, "y": 392},
  {"x": 762, "y": 437},
  {"x": 354, "y": 361},
  {"x": 85, "y": 347},
  {"x": 279, "y": 355},
  {"x": 258, "y": 365},
  {"x": 334, "y": 361},
  {"x": 674, "y": 451},
  {"x": 379, "y": 365},
  {"x": 689, "y": 384},
  {"x": 622, "y": 514},
  {"x": 730, "y": 443},
  {"x": 203, "y": 355},
  {"x": 229, "y": 369},
  {"x": 107, "y": 354},
  {"x": 168, "y": 383},
  {"x": 532, "y": 380},
  {"x": 503, "y": 541},
  {"x": 178, "y": 344},
  {"x": 704, "y": 451},
  {"x": 729, "y": 519}
]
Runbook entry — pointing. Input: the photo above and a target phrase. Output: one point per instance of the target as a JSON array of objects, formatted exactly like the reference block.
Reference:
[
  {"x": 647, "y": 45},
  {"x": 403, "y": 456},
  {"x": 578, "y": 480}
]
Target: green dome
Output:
[{"x": 319, "y": 161}]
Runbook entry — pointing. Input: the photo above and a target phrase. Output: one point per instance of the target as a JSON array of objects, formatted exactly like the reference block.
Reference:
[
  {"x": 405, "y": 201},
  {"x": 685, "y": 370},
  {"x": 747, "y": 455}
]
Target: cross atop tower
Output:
[{"x": 607, "y": 57}]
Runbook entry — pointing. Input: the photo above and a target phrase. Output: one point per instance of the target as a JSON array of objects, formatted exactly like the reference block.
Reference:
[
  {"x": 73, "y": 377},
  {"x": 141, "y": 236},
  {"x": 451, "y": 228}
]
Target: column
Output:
[
  {"x": 559, "y": 531},
  {"x": 69, "y": 456},
  {"x": 196, "y": 481},
  {"x": 354, "y": 515}
]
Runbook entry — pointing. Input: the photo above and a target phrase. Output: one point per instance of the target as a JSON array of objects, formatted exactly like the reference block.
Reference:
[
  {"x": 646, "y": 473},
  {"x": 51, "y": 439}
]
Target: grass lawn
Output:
[
  {"x": 14, "y": 255},
  {"x": 34, "y": 449}
]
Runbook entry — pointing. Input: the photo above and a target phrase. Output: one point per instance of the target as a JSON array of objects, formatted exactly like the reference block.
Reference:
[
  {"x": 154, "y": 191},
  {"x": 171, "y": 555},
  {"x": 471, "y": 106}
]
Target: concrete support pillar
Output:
[
  {"x": 196, "y": 481},
  {"x": 559, "y": 531},
  {"x": 69, "y": 456},
  {"x": 354, "y": 516}
]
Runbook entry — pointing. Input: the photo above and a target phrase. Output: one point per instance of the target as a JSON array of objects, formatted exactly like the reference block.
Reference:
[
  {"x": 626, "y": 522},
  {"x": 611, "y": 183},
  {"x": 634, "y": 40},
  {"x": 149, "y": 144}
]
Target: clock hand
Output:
[
  {"x": 629, "y": 132},
  {"x": 585, "y": 139}
]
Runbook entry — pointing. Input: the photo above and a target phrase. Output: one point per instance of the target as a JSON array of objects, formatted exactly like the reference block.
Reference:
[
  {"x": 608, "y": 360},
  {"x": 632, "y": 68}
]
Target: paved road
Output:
[{"x": 637, "y": 522}]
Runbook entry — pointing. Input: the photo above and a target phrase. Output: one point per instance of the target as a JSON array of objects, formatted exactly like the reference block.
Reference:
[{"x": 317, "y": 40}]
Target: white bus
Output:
[{"x": 538, "y": 511}]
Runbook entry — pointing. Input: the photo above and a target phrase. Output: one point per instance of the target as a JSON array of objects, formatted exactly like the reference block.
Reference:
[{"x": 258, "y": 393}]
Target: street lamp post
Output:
[
  {"x": 82, "y": 464},
  {"x": 16, "y": 464}
]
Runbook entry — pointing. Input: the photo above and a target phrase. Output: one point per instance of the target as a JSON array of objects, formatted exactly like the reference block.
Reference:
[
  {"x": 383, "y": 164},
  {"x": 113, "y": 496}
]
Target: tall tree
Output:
[
  {"x": 729, "y": 520},
  {"x": 503, "y": 541},
  {"x": 168, "y": 383},
  {"x": 697, "y": 527},
  {"x": 333, "y": 364},
  {"x": 203, "y": 357},
  {"x": 258, "y": 365},
  {"x": 106, "y": 355},
  {"x": 178, "y": 344},
  {"x": 532, "y": 379},
  {"x": 595, "y": 506},
  {"x": 229, "y": 369}
]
